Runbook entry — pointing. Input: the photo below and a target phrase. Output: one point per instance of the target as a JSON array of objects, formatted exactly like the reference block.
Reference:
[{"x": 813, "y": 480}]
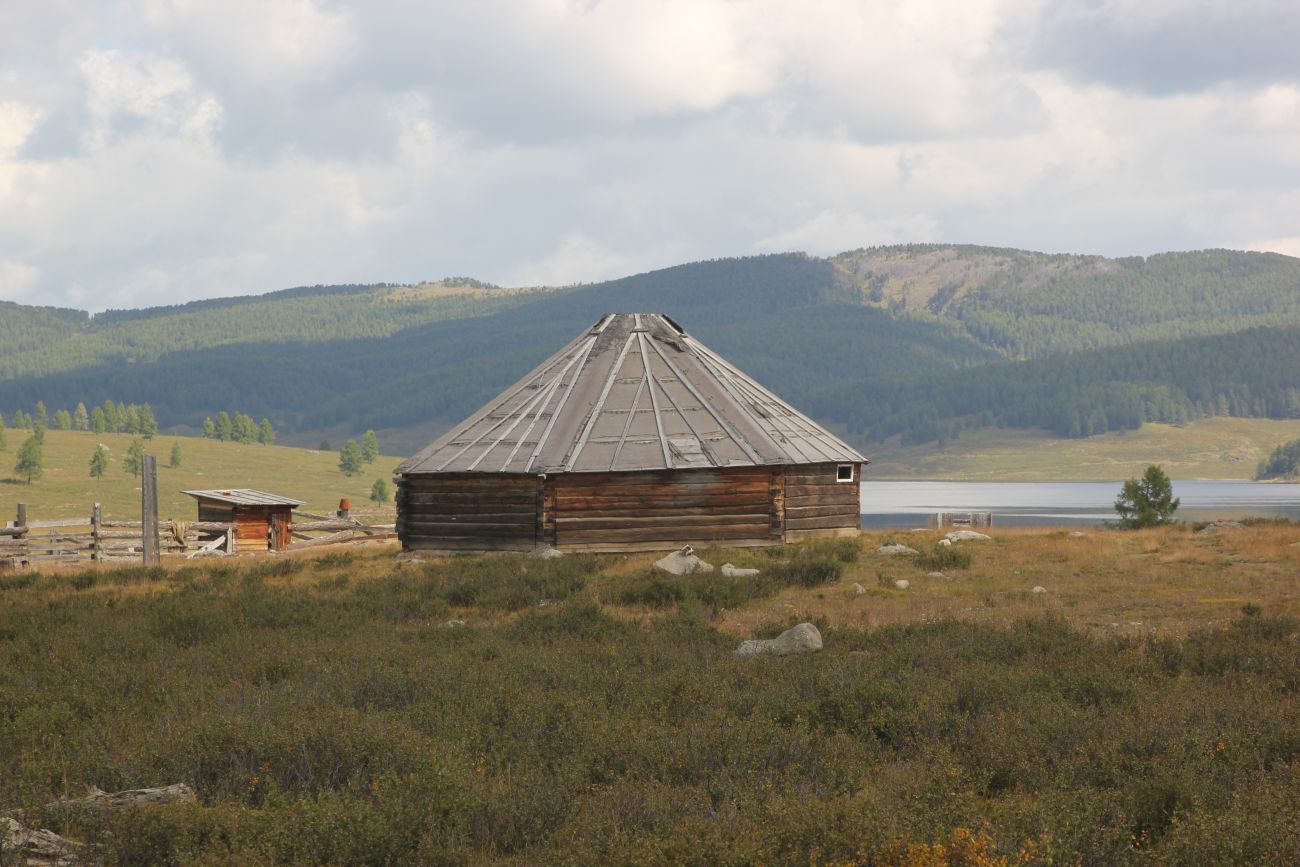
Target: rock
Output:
[
  {"x": 796, "y": 640},
  {"x": 683, "y": 562},
  {"x": 410, "y": 561},
  {"x": 36, "y": 847},
  {"x": 945, "y": 543},
  {"x": 733, "y": 572},
  {"x": 546, "y": 552},
  {"x": 177, "y": 793},
  {"x": 902, "y": 584},
  {"x": 933, "y": 574},
  {"x": 452, "y": 624},
  {"x": 895, "y": 550},
  {"x": 1039, "y": 590},
  {"x": 967, "y": 536},
  {"x": 1220, "y": 525},
  {"x": 858, "y": 589},
  {"x": 1075, "y": 534}
]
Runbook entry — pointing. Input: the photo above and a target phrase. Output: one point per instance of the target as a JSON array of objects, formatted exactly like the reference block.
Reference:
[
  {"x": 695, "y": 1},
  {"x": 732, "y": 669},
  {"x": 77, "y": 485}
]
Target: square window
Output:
[{"x": 844, "y": 473}]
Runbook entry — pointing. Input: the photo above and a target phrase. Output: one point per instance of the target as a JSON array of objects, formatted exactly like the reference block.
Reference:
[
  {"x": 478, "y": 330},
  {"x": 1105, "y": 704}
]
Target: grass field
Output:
[
  {"x": 67, "y": 490},
  {"x": 1217, "y": 448},
  {"x": 344, "y": 708}
]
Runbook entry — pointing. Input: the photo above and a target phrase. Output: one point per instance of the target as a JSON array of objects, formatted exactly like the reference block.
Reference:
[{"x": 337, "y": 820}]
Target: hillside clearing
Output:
[
  {"x": 67, "y": 490},
  {"x": 1214, "y": 448}
]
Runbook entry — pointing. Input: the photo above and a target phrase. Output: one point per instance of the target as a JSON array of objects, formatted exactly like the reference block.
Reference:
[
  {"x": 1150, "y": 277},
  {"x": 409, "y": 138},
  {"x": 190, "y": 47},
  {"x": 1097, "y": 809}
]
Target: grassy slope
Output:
[
  {"x": 67, "y": 490},
  {"x": 1218, "y": 448}
]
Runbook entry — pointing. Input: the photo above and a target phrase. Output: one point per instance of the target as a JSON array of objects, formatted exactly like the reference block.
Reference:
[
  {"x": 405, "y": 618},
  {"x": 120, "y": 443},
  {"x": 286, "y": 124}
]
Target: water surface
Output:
[{"x": 909, "y": 504}]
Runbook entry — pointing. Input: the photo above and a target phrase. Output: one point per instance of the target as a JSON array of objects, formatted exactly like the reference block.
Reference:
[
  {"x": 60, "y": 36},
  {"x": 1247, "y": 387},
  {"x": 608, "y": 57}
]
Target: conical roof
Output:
[{"x": 635, "y": 392}]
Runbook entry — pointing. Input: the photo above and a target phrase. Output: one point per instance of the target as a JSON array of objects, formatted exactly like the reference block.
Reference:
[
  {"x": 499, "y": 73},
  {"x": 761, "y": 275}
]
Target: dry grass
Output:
[{"x": 1169, "y": 581}]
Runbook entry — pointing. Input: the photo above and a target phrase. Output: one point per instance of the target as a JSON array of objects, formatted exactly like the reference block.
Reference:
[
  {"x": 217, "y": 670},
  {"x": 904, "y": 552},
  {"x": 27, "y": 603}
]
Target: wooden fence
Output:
[{"x": 103, "y": 540}]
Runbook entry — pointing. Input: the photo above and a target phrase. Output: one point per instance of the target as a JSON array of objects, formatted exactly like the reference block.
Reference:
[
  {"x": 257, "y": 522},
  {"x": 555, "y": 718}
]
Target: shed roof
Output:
[
  {"x": 245, "y": 497},
  {"x": 634, "y": 392}
]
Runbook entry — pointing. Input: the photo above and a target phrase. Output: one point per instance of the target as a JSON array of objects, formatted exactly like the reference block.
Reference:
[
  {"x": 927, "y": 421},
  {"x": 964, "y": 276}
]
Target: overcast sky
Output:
[{"x": 157, "y": 151}]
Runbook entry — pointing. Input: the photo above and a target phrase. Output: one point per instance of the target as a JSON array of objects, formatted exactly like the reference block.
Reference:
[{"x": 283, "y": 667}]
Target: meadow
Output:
[
  {"x": 1212, "y": 448},
  {"x": 67, "y": 490},
  {"x": 345, "y": 708}
]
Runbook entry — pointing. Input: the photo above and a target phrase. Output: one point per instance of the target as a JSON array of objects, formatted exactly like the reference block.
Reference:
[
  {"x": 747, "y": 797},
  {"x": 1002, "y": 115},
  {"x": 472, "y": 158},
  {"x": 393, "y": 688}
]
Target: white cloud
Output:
[
  {"x": 17, "y": 280},
  {"x": 161, "y": 150},
  {"x": 1285, "y": 246}
]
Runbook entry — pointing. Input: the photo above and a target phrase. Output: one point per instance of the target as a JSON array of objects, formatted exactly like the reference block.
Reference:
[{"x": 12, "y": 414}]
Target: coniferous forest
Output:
[{"x": 916, "y": 341}]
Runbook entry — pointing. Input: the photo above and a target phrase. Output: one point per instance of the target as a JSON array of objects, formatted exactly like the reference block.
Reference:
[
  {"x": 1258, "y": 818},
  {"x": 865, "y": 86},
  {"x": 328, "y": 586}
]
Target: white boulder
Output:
[
  {"x": 797, "y": 640},
  {"x": 967, "y": 536},
  {"x": 858, "y": 589},
  {"x": 735, "y": 572},
  {"x": 1039, "y": 590},
  {"x": 902, "y": 584},
  {"x": 895, "y": 550},
  {"x": 683, "y": 562}
]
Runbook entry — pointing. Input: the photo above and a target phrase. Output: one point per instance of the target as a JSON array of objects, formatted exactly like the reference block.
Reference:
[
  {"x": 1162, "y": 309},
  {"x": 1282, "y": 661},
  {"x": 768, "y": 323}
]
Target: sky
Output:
[{"x": 159, "y": 151}]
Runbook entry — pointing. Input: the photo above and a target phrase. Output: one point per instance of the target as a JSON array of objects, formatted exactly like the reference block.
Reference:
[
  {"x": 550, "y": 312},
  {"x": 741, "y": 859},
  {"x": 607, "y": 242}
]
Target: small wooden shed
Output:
[
  {"x": 634, "y": 436},
  {"x": 262, "y": 521}
]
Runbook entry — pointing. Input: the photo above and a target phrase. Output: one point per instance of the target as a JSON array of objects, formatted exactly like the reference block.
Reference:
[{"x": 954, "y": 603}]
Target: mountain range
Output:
[{"x": 918, "y": 342}]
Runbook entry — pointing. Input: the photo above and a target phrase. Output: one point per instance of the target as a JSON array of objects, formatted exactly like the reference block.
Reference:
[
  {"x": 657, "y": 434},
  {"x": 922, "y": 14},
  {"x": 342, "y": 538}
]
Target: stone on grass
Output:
[
  {"x": 945, "y": 543},
  {"x": 902, "y": 584},
  {"x": 933, "y": 574},
  {"x": 967, "y": 536},
  {"x": 858, "y": 589},
  {"x": 796, "y": 640},
  {"x": 734, "y": 572},
  {"x": 683, "y": 562},
  {"x": 895, "y": 550},
  {"x": 546, "y": 552},
  {"x": 1039, "y": 590},
  {"x": 1220, "y": 525},
  {"x": 1076, "y": 534}
]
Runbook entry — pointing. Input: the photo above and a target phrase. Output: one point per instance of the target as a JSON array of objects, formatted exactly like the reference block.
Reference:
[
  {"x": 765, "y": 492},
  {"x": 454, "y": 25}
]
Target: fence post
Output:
[
  {"x": 22, "y": 516},
  {"x": 96, "y": 544},
  {"x": 20, "y": 521},
  {"x": 149, "y": 509}
]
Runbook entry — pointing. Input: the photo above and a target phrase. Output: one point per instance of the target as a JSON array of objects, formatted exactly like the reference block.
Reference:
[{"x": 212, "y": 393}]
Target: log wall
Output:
[
  {"x": 469, "y": 511},
  {"x": 627, "y": 510}
]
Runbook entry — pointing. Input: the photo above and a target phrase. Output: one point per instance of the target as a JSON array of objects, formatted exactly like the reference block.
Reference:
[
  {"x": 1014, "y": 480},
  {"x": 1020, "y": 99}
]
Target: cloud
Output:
[
  {"x": 154, "y": 151},
  {"x": 1285, "y": 246}
]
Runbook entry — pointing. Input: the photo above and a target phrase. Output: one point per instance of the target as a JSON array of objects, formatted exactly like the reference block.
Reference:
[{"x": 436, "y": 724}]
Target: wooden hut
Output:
[
  {"x": 633, "y": 436},
  {"x": 262, "y": 521}
]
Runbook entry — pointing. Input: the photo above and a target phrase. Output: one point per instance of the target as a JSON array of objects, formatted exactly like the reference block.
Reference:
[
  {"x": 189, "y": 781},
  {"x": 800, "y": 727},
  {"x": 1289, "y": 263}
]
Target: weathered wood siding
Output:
[
  {"x": 621, "y": 510},
  {"x": 816, "y": 503},
  {"x": 468, "y": 511}
]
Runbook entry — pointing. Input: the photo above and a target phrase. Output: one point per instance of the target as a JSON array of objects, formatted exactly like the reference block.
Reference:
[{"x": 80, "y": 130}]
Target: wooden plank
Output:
[
  {"x": 825, "y": 500},
  {"x": 753, "y": 485},
  {"x": 58, "y": 523},
  {"x": 518, "y": 531},
  {"x": 149, "y": 508},
  {"x": 501, "y": 484},
  {"x": 666, "y": 545},
  {"x": 474, "y": 518},
  {"x": 467, "y": 499},
  {"x": 756, "y": 510},
  {"x": 663, "y": 534},
  {"x": 835, "y": 533},
  {"x": 822, "y": 523},
  {"x": 598, "y": 521},
  {"x": 822, "y": 511}
]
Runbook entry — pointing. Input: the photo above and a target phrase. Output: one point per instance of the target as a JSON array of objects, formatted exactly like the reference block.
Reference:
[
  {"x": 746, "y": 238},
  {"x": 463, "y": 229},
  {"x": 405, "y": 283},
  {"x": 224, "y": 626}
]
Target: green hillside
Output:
[
  {"x": 67, "y": 490},
  {"x": 918, "y": 341}
]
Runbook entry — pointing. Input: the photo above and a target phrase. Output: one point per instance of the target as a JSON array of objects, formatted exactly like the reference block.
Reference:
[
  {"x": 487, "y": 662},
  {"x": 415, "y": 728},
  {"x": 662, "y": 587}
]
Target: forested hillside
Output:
[{"x": 921, "y": 341}]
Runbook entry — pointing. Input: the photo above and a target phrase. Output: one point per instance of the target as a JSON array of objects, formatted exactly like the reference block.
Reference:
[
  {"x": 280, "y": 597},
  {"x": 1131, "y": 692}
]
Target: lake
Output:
[{"x": 908, "y": 504}]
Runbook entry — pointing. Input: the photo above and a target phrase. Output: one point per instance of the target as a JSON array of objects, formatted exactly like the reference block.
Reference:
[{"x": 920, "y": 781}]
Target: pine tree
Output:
[
  {"x": 225, "y": 427},
  {"x": 110, "y": 416},
  {"x": 132, "y": 425},
  {"x": 63, "y": 420},
  {"x": 350, "y": 460},
  {"x": 134, "y": 459},
  {"x": 38, "y": 431},
  {"x": 4, "y": 442},
  {"x": 80, "y": 418},
  {"x": 99, "y": 420},
  {"x": 31, "y": 460},
  {"x": 99, "y": 462},
  {"x": 379, "y": 491},
  {"x": 148, "y": 422},
  {"x": 324, "y": 446},
  {"x": 42, "y": 417},
  {"x": 209, "y": 429},
  {"x": 1146, "y": 502},
  {"x": 266, "y": 433},
  {"x": 369, "y": 447},
  {"x": 176, "y": 456}
]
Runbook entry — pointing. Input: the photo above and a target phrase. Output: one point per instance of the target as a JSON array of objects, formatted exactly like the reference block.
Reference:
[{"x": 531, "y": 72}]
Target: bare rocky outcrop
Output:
[{"x": 797, "y": 640}]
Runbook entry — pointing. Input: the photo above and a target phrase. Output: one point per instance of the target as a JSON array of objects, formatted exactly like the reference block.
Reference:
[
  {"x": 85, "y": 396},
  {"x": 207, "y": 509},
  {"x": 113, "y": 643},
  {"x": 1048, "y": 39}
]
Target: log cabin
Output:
[
  {"x": 634, "y": 436},
  {"x": 263, "y": 522}
]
